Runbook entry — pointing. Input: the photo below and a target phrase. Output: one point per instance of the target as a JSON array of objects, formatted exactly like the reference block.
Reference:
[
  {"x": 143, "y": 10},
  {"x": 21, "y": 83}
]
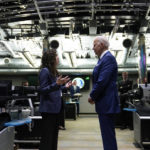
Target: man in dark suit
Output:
[
  {"x": 73, "y": 90},
  {"x": 104, "y": 92},
  {"x": 123, "y": 87}
]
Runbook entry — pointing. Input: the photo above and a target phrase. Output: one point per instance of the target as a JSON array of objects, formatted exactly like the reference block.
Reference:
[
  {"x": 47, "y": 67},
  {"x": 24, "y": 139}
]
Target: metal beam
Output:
[
  {"x": 37, "y": 8},
  {"x": 43, "y": 23},
  {"x": 2, "y": 34},
  {"x": 114, "y": 29},
  {"x": 145, "y": 22}
]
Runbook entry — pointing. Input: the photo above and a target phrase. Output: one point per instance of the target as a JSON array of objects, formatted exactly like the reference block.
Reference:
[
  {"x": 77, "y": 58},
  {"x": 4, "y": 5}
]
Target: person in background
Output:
[
  {"x": 104, "y": 93},
  {"x": 62, "y": 111},
  {"x": 73, "y": 90},
  {"x": 136, "y": 85},
  {"x": 50, "y": 99},
  {"x": 25, "y": 83},
  {"x": 123, "y": 87}
]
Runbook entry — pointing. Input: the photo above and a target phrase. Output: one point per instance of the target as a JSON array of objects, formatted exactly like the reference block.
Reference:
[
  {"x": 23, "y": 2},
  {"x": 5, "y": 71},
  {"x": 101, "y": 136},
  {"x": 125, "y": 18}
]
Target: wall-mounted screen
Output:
[{"x": 83, "y": 81}]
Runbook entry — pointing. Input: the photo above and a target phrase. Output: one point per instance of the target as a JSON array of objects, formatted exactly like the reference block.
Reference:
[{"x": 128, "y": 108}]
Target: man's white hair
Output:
[{"x": 103, "y": 40}]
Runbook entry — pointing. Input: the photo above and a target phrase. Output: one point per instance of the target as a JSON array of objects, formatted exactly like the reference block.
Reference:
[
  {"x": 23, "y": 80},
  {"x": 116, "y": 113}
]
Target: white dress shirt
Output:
[{"x": 103, "y": 53}]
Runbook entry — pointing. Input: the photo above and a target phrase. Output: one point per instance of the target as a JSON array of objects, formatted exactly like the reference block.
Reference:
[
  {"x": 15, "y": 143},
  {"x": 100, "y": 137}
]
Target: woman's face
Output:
[{"x": 57, "y": 60}]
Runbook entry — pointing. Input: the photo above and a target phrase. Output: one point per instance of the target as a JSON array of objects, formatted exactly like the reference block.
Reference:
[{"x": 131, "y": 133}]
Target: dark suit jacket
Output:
[
  {"x": 50, "y": 92},
  {"x": 72, "y": 91},
  {"x": 104, "y": 91},
  {"x": 125, "y": 86}
]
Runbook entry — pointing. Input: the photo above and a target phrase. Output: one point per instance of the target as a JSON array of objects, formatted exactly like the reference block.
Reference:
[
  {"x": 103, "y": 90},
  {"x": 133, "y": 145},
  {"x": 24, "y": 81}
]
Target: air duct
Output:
[
  {"x": 127, "y": 43},
  {"x": 13, "y": 63},
  {"x": 7, "y": 60},
  {"x": 27, "y": 71},
  {"x": 54, "y": 44},
  {"x": 22, "y": 71}
]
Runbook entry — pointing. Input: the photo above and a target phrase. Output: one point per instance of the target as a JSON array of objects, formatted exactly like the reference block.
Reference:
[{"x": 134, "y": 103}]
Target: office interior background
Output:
[{"x": 29, "y": 27}]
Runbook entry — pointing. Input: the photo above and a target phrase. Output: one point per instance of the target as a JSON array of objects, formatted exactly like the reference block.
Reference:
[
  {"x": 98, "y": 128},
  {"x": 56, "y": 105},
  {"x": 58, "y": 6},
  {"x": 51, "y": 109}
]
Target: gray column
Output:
[{"x": 45, "y": 44}]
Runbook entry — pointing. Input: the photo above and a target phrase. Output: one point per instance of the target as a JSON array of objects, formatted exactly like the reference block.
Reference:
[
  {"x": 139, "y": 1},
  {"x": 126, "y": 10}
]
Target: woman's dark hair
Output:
[{"x": 49, "y": 61}]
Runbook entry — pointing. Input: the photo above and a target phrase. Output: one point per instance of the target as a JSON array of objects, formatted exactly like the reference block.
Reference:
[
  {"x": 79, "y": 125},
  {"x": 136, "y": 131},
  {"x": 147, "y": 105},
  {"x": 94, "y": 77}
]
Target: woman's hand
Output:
[{"x": 60, "y": 80}]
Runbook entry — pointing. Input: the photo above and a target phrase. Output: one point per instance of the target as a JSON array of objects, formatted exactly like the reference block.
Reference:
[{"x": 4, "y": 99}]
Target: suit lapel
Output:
[
  {"x": 97, "y": 66},
  {"x": 95, "y": 69}
]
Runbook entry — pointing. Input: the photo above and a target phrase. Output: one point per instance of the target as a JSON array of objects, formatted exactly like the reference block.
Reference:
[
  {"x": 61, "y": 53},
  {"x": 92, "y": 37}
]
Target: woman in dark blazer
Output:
[{"x": 50, "y": 99}]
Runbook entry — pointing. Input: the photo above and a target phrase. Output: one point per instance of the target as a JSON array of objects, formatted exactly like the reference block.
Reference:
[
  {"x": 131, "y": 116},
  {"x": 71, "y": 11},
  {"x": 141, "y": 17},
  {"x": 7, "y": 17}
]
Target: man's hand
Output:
[
  {"x": 91, "y": 101},
  {"x": 68, "y": 84}
]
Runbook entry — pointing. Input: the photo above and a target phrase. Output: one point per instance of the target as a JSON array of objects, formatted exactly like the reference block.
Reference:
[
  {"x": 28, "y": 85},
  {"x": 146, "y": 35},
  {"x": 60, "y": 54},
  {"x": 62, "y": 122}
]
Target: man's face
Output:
[
  {"x": 98, "y": 47},
  {"x": 75, "y": 83},
  {"x": 125, "y": 76},
  {"x": 26, "y": 84}
]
